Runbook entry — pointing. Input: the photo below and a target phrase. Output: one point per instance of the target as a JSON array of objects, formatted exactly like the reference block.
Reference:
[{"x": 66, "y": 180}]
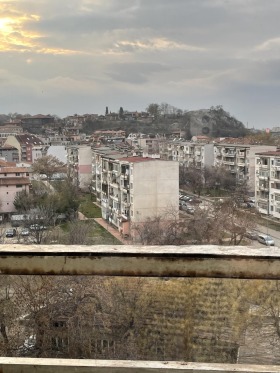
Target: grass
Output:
[
  {"x": 88, "y": 208},
  {"x": 97, "y": 235}
]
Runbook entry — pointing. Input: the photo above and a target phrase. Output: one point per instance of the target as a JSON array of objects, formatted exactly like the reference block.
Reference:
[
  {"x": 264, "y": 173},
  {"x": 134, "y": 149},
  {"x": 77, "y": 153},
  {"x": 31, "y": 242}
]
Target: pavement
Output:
[{"x": 112, "y": 231}]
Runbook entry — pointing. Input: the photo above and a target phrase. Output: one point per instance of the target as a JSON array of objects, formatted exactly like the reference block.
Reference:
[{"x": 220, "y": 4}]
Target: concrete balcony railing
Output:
[{"x": 151, "y": 261}]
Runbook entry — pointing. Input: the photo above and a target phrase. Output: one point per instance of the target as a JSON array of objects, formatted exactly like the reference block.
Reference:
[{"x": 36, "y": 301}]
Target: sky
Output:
[{"x": 78, "y": 56}]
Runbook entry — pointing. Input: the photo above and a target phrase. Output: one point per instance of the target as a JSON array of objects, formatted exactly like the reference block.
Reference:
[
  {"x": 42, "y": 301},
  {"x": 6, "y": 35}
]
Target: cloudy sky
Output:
[{"x": 79, "y": 56}]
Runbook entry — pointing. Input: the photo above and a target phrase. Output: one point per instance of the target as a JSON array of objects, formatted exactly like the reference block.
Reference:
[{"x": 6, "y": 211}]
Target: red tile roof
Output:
[
  {"x": 7, "y": 170},
  {"x": 14, "y": 180}
]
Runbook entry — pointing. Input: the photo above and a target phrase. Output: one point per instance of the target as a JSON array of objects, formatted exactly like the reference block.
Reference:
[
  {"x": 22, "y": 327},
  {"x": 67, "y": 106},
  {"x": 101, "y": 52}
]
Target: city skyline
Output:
[{"x": 79, "y": 56}]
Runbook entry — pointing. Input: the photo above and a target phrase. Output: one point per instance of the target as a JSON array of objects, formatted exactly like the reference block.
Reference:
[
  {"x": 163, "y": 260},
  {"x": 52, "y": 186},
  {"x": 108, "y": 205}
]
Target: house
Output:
[{"x": 30, "y": 147}]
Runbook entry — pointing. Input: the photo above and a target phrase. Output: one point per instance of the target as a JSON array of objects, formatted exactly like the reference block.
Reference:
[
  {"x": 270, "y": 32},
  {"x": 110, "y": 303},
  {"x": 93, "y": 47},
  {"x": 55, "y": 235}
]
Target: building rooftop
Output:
[
  {"x": 275, "y": 153},
  {"x": 138, "y": 159},
  {"x": 29, "y": 139}
]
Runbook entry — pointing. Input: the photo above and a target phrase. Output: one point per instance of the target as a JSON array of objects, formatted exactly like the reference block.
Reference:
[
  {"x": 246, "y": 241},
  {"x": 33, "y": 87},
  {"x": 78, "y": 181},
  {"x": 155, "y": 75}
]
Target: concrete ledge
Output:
[
  {"x": 25, "y": 365},
  {"x": 151, "y": 261}
]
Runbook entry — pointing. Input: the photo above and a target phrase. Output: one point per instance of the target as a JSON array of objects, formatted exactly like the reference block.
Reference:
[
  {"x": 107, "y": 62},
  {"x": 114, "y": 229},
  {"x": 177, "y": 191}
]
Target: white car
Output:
[{"x": 266, "y": 240}]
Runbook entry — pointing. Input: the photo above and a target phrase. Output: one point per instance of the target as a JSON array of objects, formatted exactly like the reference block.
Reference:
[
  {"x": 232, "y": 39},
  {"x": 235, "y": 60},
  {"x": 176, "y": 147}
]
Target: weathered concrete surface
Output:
[
  {"x": 24, "y": 365},
  {"x": 153, "y": 261}
]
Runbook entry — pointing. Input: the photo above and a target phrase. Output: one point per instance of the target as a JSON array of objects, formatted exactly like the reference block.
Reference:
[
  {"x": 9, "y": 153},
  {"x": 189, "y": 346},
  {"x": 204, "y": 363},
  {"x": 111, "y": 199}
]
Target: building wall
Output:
[
  {"x": 8, "y": 191},
  {"x": 79, "y": 164},
  {"x": 85, "y": 166},
  {"x": 58, "y": 151},
  {"x": 155, "y": 188},
  {"x": 254, "y": 149},
  {"x": 11, "y": 140},
  {"x": 209, "y": 155}
]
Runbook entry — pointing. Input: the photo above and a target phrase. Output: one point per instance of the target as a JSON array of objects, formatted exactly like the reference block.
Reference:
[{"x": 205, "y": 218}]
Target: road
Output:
[{"x": 271, "y": 232}]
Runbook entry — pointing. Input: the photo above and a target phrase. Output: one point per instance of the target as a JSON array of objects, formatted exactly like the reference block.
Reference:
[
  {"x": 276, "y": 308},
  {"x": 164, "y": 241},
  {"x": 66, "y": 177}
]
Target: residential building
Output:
[
  {"x": 268, "y": 183},
  {"x": 12, "y": 180},
  {"x": 58, "y": 151},
  {"x": 132, "y": 189},
  {"x": 9, "y": 153},
  {"x": 239, "y": 159},
  {"x": 79, "y": 165},
  {"x": 30, "y": 147},
  {"x": 36, "y": 123},
  {"x": 10, "y": 128}
]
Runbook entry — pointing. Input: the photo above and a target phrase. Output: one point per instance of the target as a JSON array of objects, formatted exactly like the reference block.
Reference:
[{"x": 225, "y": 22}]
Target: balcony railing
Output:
[{"x": 167, "y": 261}]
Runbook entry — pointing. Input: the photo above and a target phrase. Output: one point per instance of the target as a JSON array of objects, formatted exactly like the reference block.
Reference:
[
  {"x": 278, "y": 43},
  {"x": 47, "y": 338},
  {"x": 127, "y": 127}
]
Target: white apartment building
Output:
[
  {"x": 239, "y": 159},
  {"x": 131, "y": 189},
  {"x": 268, "y": 183},
  {"x": 79, "y": 165}
]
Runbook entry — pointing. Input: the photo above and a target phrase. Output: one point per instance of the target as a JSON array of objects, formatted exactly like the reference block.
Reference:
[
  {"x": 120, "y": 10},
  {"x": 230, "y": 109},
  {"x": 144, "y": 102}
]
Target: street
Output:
[{"x": 271, "y": 232}]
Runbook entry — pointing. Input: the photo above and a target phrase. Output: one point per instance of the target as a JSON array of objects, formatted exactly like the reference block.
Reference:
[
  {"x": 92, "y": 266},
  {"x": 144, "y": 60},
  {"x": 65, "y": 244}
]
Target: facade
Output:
[
  {"x": 79, "y": 165},
  {"x": 58, "y": 151},
  {"x": 36, "y": 122},
  {"x": 132, "y": 189},
  {"x": 9, "y": 153},
  {"x": 10, "y": 129},
  {"x": 239, "y": 159},
  {"x": 268, "y": 183},
  {"x": 12, "y": 180},
  {"x": 30, "y": 147}
]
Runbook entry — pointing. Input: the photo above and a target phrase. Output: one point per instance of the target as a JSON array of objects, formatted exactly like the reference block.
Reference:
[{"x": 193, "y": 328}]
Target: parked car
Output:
[
  {"x": 266, "y": 240},
  {"x": 11, "y": 232},
  {"x": 37, "y": 227},
  {"x": 253, "y": 235},
  {"x": 250, "y": 204},
  {"x": 24, "y": 232}
]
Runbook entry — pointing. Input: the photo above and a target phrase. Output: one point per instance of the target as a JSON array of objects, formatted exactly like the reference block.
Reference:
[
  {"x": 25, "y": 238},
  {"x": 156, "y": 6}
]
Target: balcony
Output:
[
  {"x": 230, "y": 154},
  {"x": 184, "y": 261},
  {"x": 114, "y": 184},
  {"x": 264, "y": 188},
  {"x": 114, "y": 197},
  {"x": 125, "y": 203},
  {"x": 229, "y": 162}
]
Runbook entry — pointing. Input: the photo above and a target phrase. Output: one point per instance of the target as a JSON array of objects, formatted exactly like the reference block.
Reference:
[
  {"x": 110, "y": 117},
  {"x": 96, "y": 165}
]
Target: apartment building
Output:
[
  {"x": 131, "y": 189},
  {"x": 79, "y": 165},
  {"x": 12, "y": 180},
  {"x": 30, "y": 147},
  {"x": 268, "y": 183},
  {"x": 239, "y": 159},
  {"x": 9, "y": 153}
]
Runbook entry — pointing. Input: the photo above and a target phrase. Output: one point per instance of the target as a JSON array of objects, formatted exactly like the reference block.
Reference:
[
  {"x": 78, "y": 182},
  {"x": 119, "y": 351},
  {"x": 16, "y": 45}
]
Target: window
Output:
[
  {"x": 5, "y": 174},
  {"x": 18, "y": 186},
  {"x": 27, "y": 173},
  {"x": 17, "y": 174}
]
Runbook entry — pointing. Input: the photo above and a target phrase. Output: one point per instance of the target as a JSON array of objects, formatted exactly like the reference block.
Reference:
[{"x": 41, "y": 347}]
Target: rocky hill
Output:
[{"x": 213, "y": 122}]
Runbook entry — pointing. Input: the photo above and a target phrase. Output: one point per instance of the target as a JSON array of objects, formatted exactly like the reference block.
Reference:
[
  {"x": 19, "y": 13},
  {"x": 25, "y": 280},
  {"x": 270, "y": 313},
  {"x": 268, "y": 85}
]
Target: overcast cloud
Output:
[{"x": 79, "y": 56}]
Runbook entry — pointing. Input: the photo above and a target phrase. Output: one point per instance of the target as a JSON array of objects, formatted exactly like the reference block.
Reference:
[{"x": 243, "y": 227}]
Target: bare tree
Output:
[{"x": 48, "y": 165}]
